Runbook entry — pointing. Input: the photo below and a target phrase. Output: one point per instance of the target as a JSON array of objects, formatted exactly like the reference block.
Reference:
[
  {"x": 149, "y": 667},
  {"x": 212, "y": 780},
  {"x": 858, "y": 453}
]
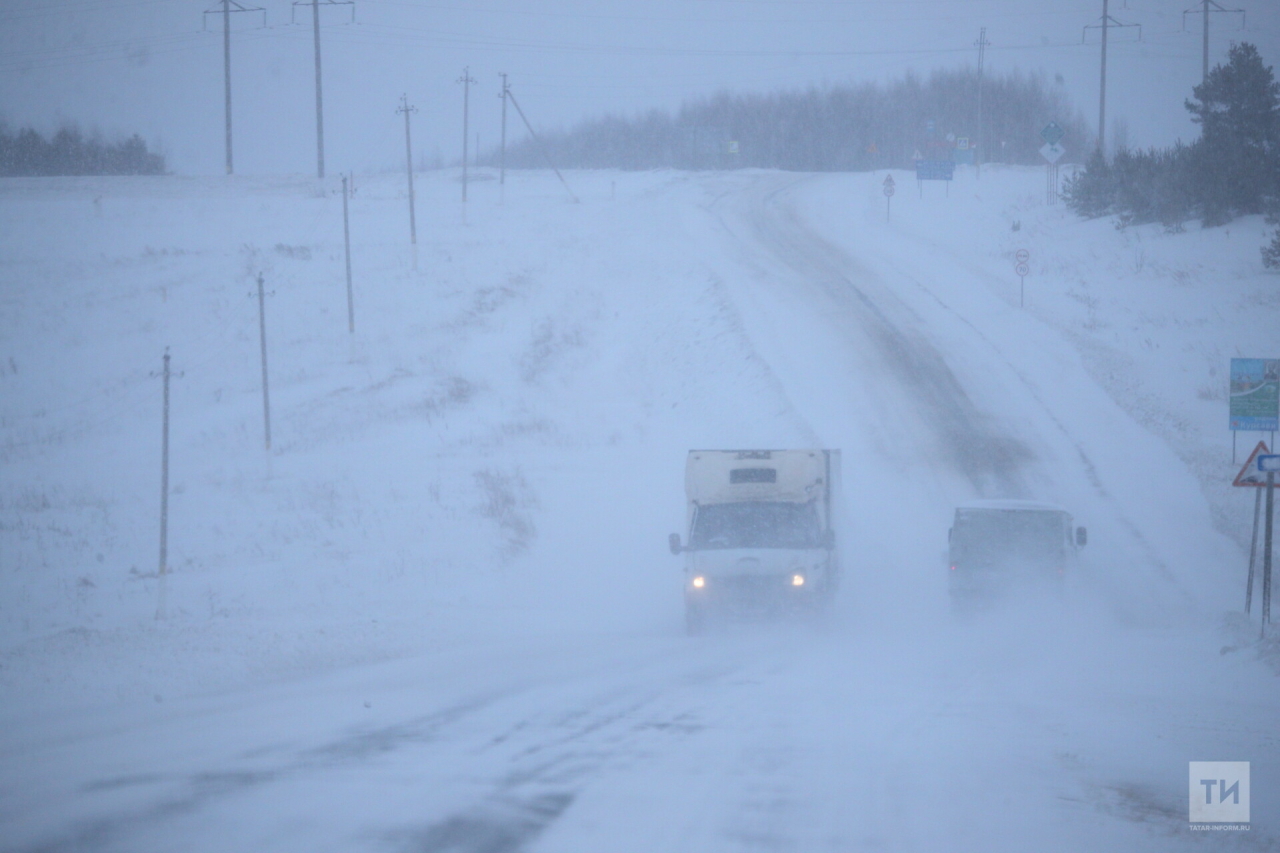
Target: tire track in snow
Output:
[{"x": 992, "y": 461}]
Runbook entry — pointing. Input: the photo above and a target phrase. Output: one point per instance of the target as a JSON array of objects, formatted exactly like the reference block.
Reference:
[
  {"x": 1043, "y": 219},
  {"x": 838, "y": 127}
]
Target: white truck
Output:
[{"x": 761, "y": 532}]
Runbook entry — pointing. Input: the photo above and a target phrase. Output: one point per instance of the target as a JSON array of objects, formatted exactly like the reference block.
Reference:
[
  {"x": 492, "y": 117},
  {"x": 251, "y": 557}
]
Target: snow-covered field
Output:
[{"x": 439, "y": 613}]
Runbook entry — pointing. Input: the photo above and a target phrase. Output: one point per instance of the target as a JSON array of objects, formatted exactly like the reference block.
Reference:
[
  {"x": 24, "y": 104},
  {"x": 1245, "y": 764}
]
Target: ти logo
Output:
[{"x": 1219, "y": 792}]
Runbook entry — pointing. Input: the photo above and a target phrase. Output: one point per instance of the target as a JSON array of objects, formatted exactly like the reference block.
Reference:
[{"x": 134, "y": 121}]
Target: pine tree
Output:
[
  {"x": 1091, "y": 192},
  {"x": 1237, "y": 160}
]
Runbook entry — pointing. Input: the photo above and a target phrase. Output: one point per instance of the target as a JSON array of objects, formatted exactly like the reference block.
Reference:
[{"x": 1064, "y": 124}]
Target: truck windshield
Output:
[
  {"x": 1003, "y": 537},
  {"x": 756, "y": 525}
]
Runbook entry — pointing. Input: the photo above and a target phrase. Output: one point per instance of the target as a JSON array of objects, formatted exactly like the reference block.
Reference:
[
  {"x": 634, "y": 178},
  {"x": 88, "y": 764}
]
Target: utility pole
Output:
[
  {"x": 346, "y": 242},
  {"x": 502, "y": 147},
  {"x": 466, "y": 80},
  {"x": 225, "y": 12},
  {"x": 1205, "y": 77},
  {"x": 408, "y": 155},
  {"x": 982, "y": 50},
  {"x": 1102, "y": 89},
  {"x": 164, "y": 494},
  {"x": 164, "y": 474},
  {"x": 1207, "y": 7},
  {"x": 262, "y": 335},
  {"x": 1107, "y": 22},
  {"x": 315, "y": 26}
]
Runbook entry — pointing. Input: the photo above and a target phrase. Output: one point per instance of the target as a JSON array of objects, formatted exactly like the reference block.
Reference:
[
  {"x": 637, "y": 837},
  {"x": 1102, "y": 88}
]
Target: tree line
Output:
[
  {"x": 27, "y": 153},
  {"x": 851, "y": 127},
  {"x": 1232, "y": 170}
]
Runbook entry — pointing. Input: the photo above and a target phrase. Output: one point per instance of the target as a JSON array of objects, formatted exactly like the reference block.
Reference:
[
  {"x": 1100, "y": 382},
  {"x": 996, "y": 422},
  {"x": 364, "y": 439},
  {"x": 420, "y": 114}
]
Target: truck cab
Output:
[
  {"x": 760, "y": 534},
  {"x": 998, "y": 547}
]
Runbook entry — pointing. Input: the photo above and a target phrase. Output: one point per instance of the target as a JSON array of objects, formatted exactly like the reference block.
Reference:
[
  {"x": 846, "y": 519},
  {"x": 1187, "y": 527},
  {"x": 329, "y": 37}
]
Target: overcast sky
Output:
[{"x": 146, "y": 66}]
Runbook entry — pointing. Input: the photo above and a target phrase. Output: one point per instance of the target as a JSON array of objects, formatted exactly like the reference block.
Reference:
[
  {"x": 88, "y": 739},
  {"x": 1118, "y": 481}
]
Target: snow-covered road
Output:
[
  {"x": 1060, "y": 726},
  {"x": 1043, "y": 734}
]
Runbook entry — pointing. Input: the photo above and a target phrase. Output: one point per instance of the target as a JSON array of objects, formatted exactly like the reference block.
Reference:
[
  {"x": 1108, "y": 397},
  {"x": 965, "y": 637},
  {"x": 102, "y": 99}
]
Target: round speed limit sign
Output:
[
  {"x": 1023, "y": 256},
  {"x": 1022, "y": 269}
]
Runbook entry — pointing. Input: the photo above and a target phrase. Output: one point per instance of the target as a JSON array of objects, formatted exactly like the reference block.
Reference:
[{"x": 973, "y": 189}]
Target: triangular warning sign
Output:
[{"x": 1249, "y": 475}]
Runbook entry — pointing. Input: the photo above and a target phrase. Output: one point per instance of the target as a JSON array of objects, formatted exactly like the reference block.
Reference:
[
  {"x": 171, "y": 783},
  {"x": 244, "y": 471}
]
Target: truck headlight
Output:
[
  {"x": 699, "y": 582},
  {"x": 797, "y": 580}
]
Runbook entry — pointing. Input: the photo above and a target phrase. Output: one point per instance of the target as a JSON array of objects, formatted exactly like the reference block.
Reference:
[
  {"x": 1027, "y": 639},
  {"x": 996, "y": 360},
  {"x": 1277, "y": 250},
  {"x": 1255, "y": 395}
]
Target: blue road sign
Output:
[
  {"x": 1255, "y": 394},
  {"x": 1268, "y": 462},
  {"x": 935, "y": 170}
]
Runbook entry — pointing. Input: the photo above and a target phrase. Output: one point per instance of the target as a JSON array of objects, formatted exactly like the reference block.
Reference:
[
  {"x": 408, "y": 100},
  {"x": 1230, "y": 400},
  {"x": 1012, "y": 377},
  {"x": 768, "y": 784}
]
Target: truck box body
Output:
[{"x": 761, "y": 529}]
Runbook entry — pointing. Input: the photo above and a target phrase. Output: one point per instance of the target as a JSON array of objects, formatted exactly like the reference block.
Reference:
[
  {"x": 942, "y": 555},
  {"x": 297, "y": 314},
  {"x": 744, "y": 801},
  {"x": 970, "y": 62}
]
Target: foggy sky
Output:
[{"x": 146, "y": 66}]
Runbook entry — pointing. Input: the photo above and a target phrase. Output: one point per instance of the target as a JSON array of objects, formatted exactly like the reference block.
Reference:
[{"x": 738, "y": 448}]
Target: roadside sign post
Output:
[
  {"x": 1269, "y": 463},
  {"x": 1250, "y": 477},
  {"x": 1023, "y": 270},
  {"x": 1052, "y": 134},
  {"x": 935, "y": 170},
  {"x": 1254, "y": 397},
  {"x": 888, "y": 194}
]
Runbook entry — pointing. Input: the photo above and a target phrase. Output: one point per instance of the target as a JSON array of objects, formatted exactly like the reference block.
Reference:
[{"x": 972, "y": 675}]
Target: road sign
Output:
[
  {"x": 1023, "y": 256},
  {"x": 917, "y": 156},
  {"x": 935, "y": 170},
  {"x": 888, "y": 185},
  {"x": 962, "y": 143},
  {"x": 733, "y": 147},
  {"x": 1052, "y": 152},
  {"x": 1250, "y": 475},
  {"x": 1052, "y": 133},
  {"x": 1268, "y": 463},
  {"x": 1255, "y": 394},
  {"x": 1022, "y": 269}
]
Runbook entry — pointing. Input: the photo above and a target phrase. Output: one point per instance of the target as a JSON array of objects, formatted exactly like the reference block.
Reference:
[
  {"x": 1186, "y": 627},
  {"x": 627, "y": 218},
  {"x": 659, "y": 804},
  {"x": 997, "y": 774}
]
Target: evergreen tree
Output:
[
  {"x": 1091, "y": 192},
  {"x": 1236, "y": 163}
]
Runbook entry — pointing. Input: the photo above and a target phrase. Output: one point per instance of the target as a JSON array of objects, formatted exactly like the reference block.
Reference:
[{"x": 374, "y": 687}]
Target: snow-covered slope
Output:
[{"x": 485, "y": 471}]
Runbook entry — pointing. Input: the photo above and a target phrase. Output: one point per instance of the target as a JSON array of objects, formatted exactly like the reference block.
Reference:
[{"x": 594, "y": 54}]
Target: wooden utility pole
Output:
[
  {"x": 164, "y": 474},
  {"x": 346, "y": 243},
  {"x": 262, "y": 336},
  {"x": 502, "y": 146},
  {"x": 466, "y": 80},
  {"x": 408, "y": 157}
]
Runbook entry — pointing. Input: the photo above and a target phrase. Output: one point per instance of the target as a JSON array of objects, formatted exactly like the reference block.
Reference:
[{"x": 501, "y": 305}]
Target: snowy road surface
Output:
[{"x": 1052, "y": 725}]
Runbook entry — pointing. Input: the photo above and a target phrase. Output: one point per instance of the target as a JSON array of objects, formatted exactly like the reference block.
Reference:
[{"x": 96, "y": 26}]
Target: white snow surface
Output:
[{"x": 439, "y": 614}]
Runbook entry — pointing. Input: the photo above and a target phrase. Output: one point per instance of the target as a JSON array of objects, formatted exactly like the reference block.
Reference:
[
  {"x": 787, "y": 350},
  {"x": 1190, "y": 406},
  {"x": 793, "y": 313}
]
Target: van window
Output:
[{"x": 999, "y": 537}]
